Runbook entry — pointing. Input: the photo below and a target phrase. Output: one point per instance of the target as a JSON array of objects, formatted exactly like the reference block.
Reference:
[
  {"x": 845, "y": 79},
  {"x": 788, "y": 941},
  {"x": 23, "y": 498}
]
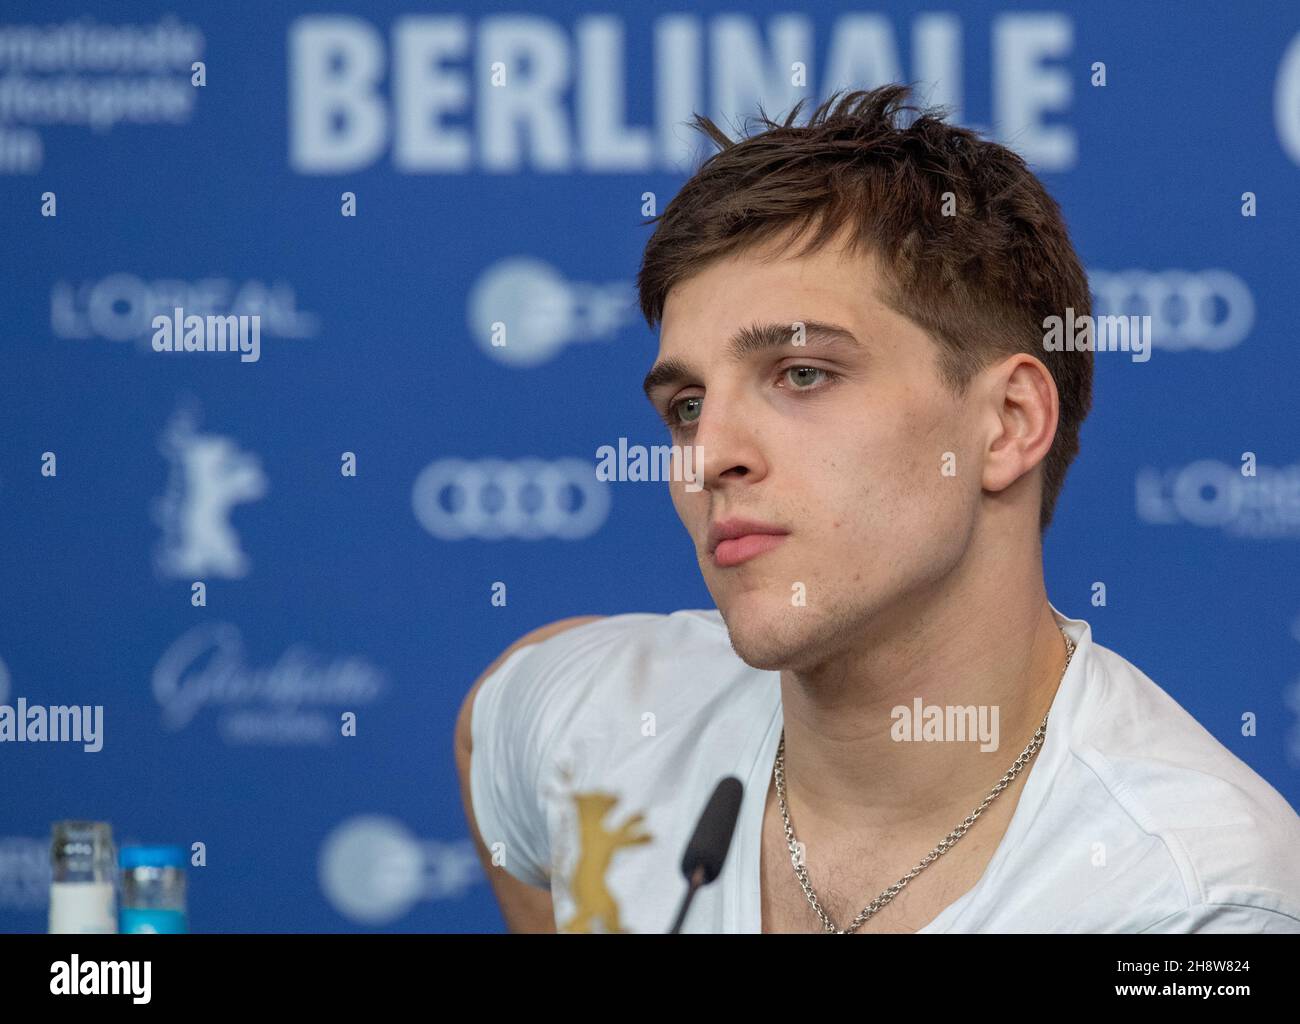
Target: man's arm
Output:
[{"x": 526, "y": 908}]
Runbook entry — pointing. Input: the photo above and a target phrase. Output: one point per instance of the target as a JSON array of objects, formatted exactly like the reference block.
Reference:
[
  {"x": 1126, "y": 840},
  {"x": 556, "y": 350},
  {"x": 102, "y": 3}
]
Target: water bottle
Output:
[
  {"x": 81, "y": 887},
  {"x": 153, "y": 890}
]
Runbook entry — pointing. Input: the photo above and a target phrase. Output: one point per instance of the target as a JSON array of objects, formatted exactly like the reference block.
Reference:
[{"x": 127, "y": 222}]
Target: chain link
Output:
[{"x": 945, "y": 844}]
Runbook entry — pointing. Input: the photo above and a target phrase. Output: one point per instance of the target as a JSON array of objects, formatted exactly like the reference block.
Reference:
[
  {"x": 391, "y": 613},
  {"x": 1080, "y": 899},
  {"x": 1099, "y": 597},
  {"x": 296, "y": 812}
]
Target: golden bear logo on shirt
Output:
[{"x": 597, "y": 845}]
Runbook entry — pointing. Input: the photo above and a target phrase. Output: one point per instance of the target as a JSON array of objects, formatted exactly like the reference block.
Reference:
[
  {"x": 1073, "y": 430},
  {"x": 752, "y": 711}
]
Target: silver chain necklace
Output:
[{"x": 883, "y": 900}]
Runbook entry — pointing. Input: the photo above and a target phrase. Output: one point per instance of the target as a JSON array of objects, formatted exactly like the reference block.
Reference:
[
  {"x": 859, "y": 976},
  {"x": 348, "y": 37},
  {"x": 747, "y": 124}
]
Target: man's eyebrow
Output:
[{"x": 751, "y": 339}]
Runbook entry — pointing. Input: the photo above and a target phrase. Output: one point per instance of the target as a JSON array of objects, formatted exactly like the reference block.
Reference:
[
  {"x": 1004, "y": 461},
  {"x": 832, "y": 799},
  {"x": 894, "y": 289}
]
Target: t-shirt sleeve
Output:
[
  {"x": 537, "y": 703},
  {"x": 507, "y": 727}
]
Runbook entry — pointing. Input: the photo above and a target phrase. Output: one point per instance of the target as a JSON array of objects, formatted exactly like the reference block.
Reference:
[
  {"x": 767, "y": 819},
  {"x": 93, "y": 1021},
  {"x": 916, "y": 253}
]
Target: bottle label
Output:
[{"x": 82, "y": 908}]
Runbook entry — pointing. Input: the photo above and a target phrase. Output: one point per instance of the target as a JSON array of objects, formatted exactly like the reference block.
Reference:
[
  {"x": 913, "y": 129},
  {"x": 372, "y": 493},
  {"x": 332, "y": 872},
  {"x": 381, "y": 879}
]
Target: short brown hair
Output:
[{"x": 981, "y": 282}]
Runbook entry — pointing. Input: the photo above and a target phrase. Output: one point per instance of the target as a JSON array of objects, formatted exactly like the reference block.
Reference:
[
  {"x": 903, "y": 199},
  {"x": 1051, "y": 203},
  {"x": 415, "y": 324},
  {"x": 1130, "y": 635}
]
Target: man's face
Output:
[{"x": 841, "y": 445}]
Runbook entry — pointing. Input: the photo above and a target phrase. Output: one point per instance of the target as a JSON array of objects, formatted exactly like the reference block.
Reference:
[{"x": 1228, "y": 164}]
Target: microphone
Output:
[{"x": 708, "y": 847}]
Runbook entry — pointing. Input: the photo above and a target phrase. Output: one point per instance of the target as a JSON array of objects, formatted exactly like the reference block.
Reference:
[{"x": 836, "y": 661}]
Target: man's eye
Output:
[
  {"x": 813, "y": 369},
  {"x": 671, "y": 417},
  {"x": 691, "y": 412}
]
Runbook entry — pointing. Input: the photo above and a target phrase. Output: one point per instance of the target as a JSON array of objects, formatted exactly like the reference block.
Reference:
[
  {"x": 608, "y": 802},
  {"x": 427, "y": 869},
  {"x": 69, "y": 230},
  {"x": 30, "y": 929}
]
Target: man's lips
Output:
[
  {"x": 732, "y": 541},
  {"x": 742, "y": 549}
]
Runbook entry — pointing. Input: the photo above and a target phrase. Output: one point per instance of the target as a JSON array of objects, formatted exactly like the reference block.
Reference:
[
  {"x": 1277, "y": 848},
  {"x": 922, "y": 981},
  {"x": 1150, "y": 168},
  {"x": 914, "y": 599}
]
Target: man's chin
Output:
[
  {"x": 760, "y": 641},
  {"x": 765, "y": 659}
]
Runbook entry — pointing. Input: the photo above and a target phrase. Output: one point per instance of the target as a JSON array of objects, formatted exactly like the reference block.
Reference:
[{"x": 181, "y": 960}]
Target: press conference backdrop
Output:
[{"x": 363, "y": 179}]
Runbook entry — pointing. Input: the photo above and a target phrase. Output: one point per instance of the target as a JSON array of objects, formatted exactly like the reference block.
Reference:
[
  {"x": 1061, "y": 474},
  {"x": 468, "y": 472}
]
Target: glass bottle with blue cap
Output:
[{"x": 153, "y": 890}]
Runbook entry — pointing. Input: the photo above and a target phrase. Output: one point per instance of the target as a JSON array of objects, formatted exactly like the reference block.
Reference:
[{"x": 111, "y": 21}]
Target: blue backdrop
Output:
[{"x": 498, "y": 156}]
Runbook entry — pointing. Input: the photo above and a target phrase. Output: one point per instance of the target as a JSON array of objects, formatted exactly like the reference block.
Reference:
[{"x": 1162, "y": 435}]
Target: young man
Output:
[{"x": 852, "y": 333}]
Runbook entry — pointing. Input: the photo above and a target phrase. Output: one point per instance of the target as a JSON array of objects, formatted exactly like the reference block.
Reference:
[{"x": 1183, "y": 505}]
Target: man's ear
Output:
[{"x": 1022, "y": 409}]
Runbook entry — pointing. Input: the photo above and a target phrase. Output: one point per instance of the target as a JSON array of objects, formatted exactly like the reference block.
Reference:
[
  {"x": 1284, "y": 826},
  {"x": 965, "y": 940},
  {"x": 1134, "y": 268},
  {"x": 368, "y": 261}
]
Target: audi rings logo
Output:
[
  {"x": 1205, "y": 309},
  {"x": 495, "y": 499}
]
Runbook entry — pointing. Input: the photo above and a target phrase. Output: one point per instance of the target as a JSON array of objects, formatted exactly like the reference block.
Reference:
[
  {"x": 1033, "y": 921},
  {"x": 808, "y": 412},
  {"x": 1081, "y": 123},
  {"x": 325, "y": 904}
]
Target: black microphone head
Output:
[{"x": 708, "y": 846}]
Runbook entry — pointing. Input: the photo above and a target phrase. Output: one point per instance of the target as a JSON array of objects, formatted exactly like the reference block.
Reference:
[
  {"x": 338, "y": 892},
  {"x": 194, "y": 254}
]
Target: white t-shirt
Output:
[{"x": 642, "y": 714}]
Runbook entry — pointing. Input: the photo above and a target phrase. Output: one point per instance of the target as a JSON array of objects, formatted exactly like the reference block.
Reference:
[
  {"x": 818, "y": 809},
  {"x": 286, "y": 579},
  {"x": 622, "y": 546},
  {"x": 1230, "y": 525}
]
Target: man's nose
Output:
[{"x": 726, "y": 442}]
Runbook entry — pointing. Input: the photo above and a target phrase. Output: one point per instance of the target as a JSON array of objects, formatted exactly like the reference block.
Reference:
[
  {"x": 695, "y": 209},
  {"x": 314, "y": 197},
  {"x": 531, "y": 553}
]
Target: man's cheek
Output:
[{"x": 684, "y": 503}]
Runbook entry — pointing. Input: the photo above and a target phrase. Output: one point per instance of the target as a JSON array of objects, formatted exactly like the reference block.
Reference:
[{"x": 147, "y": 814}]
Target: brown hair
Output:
[{"x": 980, "y": 282}]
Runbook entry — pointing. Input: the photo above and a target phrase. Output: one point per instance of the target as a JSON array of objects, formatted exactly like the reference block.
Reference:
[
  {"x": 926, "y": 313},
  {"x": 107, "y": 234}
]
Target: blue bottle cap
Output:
[{"x": 152, "y": 857}]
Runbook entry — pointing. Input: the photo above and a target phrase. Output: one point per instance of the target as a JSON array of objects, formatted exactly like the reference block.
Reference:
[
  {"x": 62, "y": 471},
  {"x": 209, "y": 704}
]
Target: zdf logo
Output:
[
  {"x": 523, "y": 312},
  {"x": 1286, "y": 101}
]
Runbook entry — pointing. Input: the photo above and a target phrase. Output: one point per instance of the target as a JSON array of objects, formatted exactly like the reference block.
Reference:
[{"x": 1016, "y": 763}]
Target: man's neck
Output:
[{"x": 1000, "y": 651}]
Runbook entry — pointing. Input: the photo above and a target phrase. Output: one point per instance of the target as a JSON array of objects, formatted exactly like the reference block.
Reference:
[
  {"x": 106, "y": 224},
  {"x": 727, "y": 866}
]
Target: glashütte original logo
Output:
[{"x": 279, "y": 704}]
